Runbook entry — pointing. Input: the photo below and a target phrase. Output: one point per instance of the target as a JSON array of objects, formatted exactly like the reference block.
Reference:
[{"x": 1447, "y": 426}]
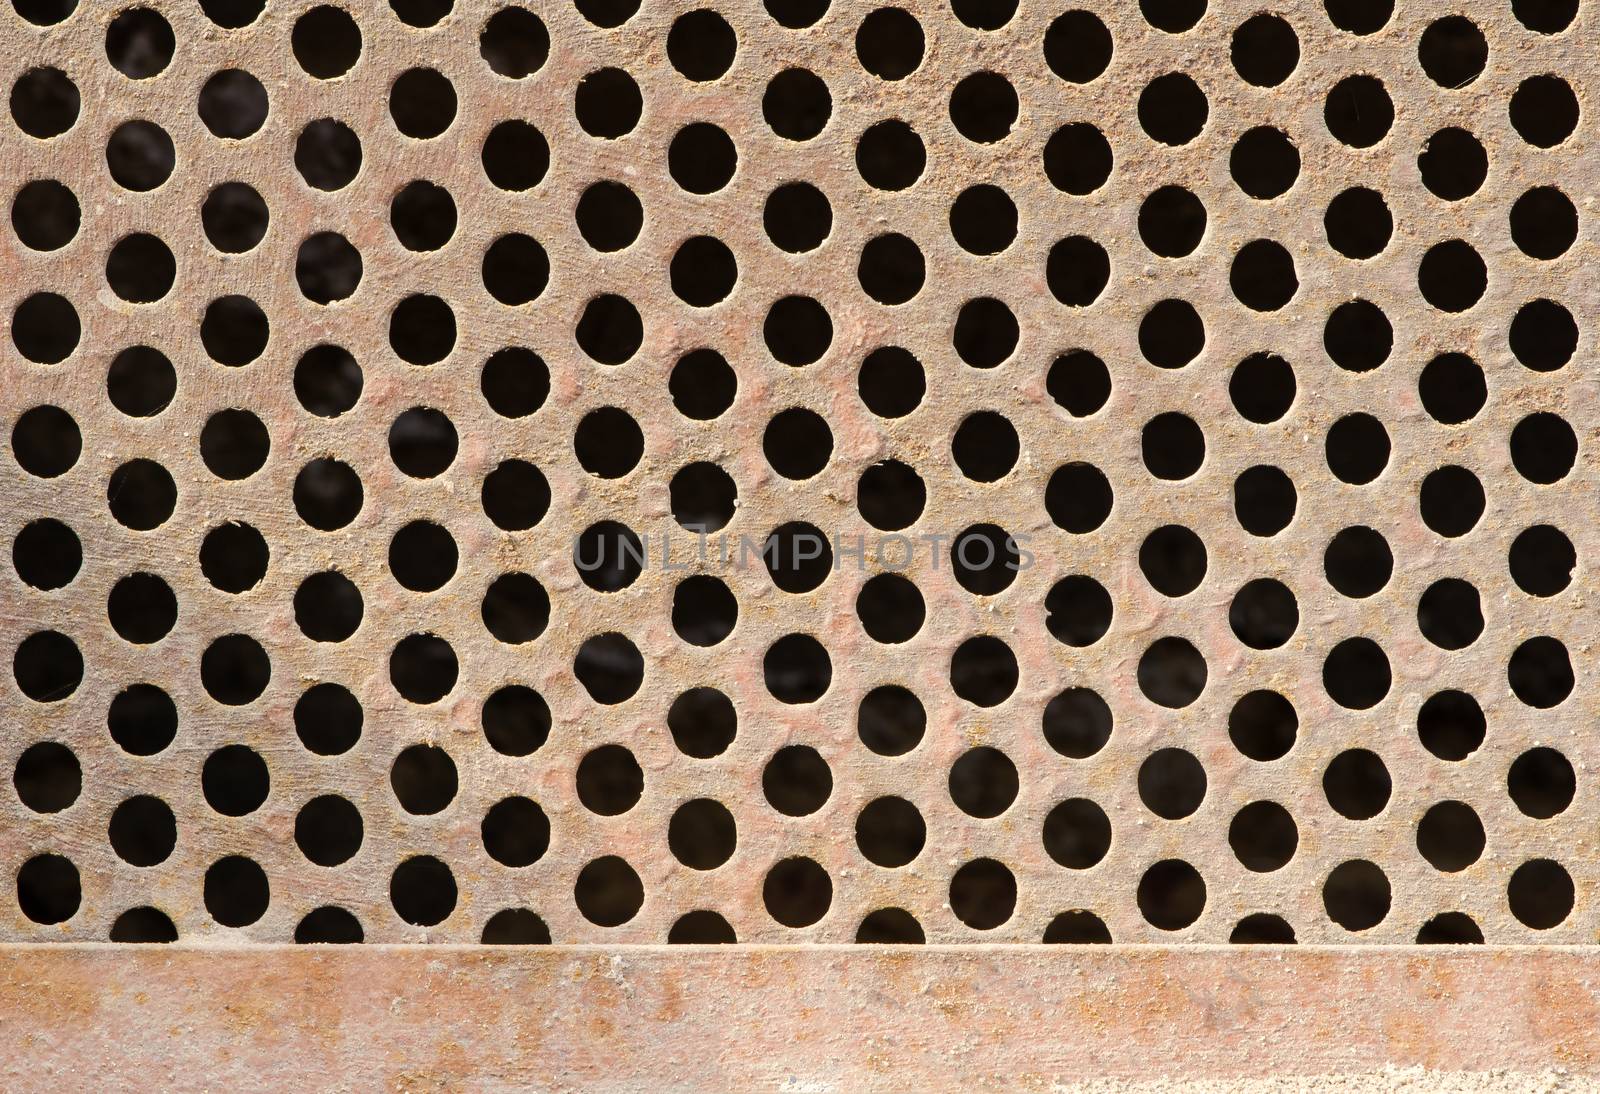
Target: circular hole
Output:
[
  {"x": 1542, "y": 783},
  {"x": 890, "y": 608},
  {"x": 608, "y": 556},
  {"x": 423, "y": 442},
  {"x": 985, "y": 446},
  {"x": 1172, "y": 109},
  {"x": 235, "y": 780},
  {"x": 1077, "y": 271},
  {"x": 422, "y": 103},
  {"x": 1078, "y": 611},
  {"x": 608, "y": 892},
  {"x": 234, "y": 557},
  {"x": 891, "y": 382},
  {"x": 515, "y": 269},
  {"x": 890, "y": 156},
  {"x": 798, "y": 557},
  {"x": 236, "y": 891},
  {"x": 609, "y": 215},
  {"x": 891, "y": 720},
  {"x": 1450, "y": 614},
  {"x": 46, "y": 442},
  {"x": 1079, "y": 382},
  {"x": 1357, "y": 784},
  {"x": 704, "y": 497},
  {"x": 140, "y": 155},
  {"x": 983, "y": 782},
  {"x": 1544, "y": 336},
  {"x": 424, "y": 779},
  {"x": 48, "y": 777},
  {"x": 326, "y": 42},
  {"x": 45, "y": 215},
  {"x": 1262, "y": 388},
  {"x": 234, "y": 217},
  {"x": 1262, "y": 929},
  {"x": 142, "y": 832},
  {"x": 797, "y": 781},
  {"x": 1452, "y": 276},
  {"x": 610, "y": 668},
  {"x": 1450, "y": 836},
  {"x": 986, "y": 332},
  {"x": 890, "y": 832},
  {"x": 1077, "y": 834},
  {"x": 232, "y": 14},
  {"x": 1452, "y": 501},
  {"x": 608, "y": 442},
  {"x": 1264, "y": 163},
  {"x": 1358, "y": 562},
  {"x": 1171, "y": 895},
  {"x": 47, "y": 666},
  {"x": 1545, "y": 16},
  {"x": 328, "y": 607},
  {"x": 1077, "y": 46},
  {"x": 1263, "y": 726},
  {"x": 1359, "y": 16},
  {"x": 45, "y": 13},
  {"x": 514, "y": 42},
  {"x": 142, "y": 720},
  {"x": 329, "y": 925},
  {"x": 890, "y": 495},
  {"x": 1450, "y": 929},
  {"x": 1263, "y": 277},
  {"x": 704, "y": 611},
  {"x": 983, "y": 894},
  {"x": 1171, "y": 334},
  {"x": 1356, "y": 895},
  {"x": 1173, "y": 446},
  {"x": 1263, "y": 836},
  {"x": 701, "y": 45},
  {"x": 46, "y": 554},
  {"x": 1544, "y": 223},
  {"x": 423, "y": 668},
  {"x": 142, "y": 608},
  {"x": 1358, "y": 223},
  {"x": 1078, "y": 159},
  {"x": 141, "y": 381},
  {"x": 703, "y": 272},
  {"x": 1172, "y": 673},
  {"x": 1173, "y": 559},
  {"x": 797, "y": 443},
  {"x": 702, "y": 834},
  {"x": 1358, "y": 111},
  {"x": 1078, "y": 497},
  {"x": 797, "y": 217},
  {"x": 328, "y": 830},
  {"x": 983, "y": 219},
  {"x": 1452, "y": 52},
  {"x": 48, "y": 890},
  {"x": 516, "y": 496},
  {"x": 703, "y": 722},
  {"x": 797, "y": 669},
  {"x": 889, "y": 927},
  {"x": 234, "y": 444},
  {"x": 702, "y": 158},
  {"x": 983, "y": 107},
  {"x": 891, "y": 269},
  {"x": 607, "y": 103},
  {"x": 1544, "y": 111},
  {"x": 515, "y": 832},
  {"x": 1540, "y": 894},
  {"x": 1264, "y": 614},
  {"x": 516, "y": 720},
  {"x": 515, "y": 382},
  {"x": 141, "y": 495},
  {"x": 1264, "y": 500},
  {"x": 45, "y": 328},
  {"x": 1452, "y": 388},
  {"x": 44, "y": 102},
  {"x": 1172, "y": 16},
  {"x": 327, "y": 719},
  {"x": 1172, "y": 222},
  {"x": 1265, "y": 50},
  {"x": 140, "y": 268},
  {"x": 1357, "y": 448},
  {"x": 983, "y": 671},
  {"x": 327, "y": 494},
  {"x": 610, "y": 330},
  {"x": 1172, "y": 783},
  {"x": 1077, "y": 928},
  {"x": 1541, "y": 560},
  {"x": 515, "y": 156},
  {"x": 423, "y": 891},
  {"x": 889, "y": 43},
  {"x": 985, "y": 561},
  {"x": 423, "y": 216},
  {"x": 147, "y": 925},
  {"x": 1356, "y": 673},
  {"x": 234, "y": 330},
  {"x": 797, "y": 892},
  {"x": 1453, "y": 164},
  {"x": 609, "y": 780},
  {"x": 327, "y": 154},
  {"x": 233, "y": 104}
]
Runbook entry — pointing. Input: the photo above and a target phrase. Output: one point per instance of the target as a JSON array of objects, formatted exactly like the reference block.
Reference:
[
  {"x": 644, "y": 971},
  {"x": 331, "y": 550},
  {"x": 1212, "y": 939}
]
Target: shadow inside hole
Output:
[
  {"x": 1263, "y": 725},
  {"x": 701, "y": 928},
  {"x": 515, "y": 927},
  {"x": 984, "y": 782},
  {"x": 328, "y": 719},
  {"x": 983, "y": 894},
  {"x": 609, "y": 667},
  {"x": 702, "y": 722},
  {"x": 891, "y": 720}
]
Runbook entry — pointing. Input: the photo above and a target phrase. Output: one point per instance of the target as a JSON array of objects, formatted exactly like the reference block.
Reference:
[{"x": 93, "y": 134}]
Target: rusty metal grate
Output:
[{"x": 963, "y": 472}]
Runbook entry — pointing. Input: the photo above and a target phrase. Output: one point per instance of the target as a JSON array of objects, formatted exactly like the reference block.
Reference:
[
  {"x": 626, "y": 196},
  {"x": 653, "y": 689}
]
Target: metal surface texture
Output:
[{"x": 1128, "y": 360}]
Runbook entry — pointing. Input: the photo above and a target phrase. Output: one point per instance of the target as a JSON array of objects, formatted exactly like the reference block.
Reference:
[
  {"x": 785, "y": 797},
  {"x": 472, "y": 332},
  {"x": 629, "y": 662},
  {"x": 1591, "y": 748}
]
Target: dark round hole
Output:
[
  {"x": 1172, "y": 222},
  {"x": 422, "y": 103},
  {"x": 1264, "y": 163},
  {"x": 890, "y": 156},
  {"x": 516, "y": 495},
  {"x": 891, "y": 382},
  {"x": 423, "y": 668},
  {"x": 233, "y": 104},
  {"x": 1452, "y": 501},
  {"x": 327, "y": 154},
  {"x": 608, "y": 892},
  {"x": 891, "y": 720},
  {"x": 516, "y": 720},
  {"x": 704, "y": 610},
  {"x": 983, "y": 671},
  {"x": 1079, "y": 382},
  {"x": 1541, "y": 894},
  {"x": 1078, "y": 611},
  {"x": 1356, "y": 895},
  {"x": 424, "y": 779},
  {"x": 327, "y": 719},
  {"x": 1077, "y": 834},
  {"x": 1077, "y": 159},
  {"x": 890, "y": 607},
  {"x": 1358, "y": 562},
  {"x": 608, "y": 442},
  {"x": 236, "y": 891},
  {"x": 1265, "y": 50},
  {"x": 515, "y": 832},
  {"x": 1356, "y": 673},
  {"x": 44, "y": 102},
  {"x": 1358, "y": 111},
  {"x": 609, "y": 215},
  {"x": 797, "y": 217},
  {"x": 1171, "y": 895},
  {"x": 45, "y": 215},
  {"x": 328, "y": 830},
  {"x": 235, "y": 780},
  {"x": 701, "y": 45},
  {"x": 1172, "y": 783},
  {"x": 1172, "y": 673},
  {"x": 1451, "y": 725},
  {"x": 45, "y": 441},
  {"x": 1263, "y": 726},
  {"x": 1171, "y": 334},
  {"x": 1453, "y": 164},
  {"x": 1078, "y": 497},
  {"x": 48, "y": 777},
  {"x": 797, "y": 892},
  {"x": 986, "y": 332},
  {"x": 1450, "y": 836},
  {"x": 46, "y": 554},
  {"x": 702, "y": 158},
  {"x": 234, "y": 330},
  {"x": 983, "y": 782},
  {"x": 797, "y": 443},
  {"x": 326, "y": 42},
  {"x": 985, "y": 446},
  {"x": 609, "y": 780},
  {"x": 702, "y": 722},
  {"x": 140, "y": 268},
  {"x": 983, "y": 894},
  {"x": 423, "y": 891},
  {"x": 515, "y": 156},
  {"x": 514, "y": 42},
  {"x": 890, "y": 832},
  {"x": 890, "y": 43},
  {"x": 610, "y": 330},
  {"x": 1541, "y": 560},
  {"x": 1173, "y": 559},
  {"x": 1357, "y": 784},
  {"x": 142, "y": 608},
  {"x": 1263, "y": 836},
  {"x": 1358, "y": 223},
  {"x": 1357, "y": 448},
  {"x": 610, "y": 668},
  {"x": 797, "y": 104},
  {"x": 1544, "y": 111},
  {"x": 48, "y": 889},
  {"x": 1173, "y": 446},
  {"x": 702, "y": 834},
  {"x": 983, "y": 107},
  {"x": 142, "y": 720},
  {"x": 797, "y": 669},
  {"x": 1172, "y": 109},
  {"x": 703, "y": 272},
  {"x": 1077, "y": 46}
]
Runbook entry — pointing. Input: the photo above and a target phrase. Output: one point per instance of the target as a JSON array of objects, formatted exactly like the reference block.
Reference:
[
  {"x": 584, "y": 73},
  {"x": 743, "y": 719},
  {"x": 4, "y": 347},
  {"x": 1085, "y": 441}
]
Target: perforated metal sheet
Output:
[{"x": 1155, "y": 853}]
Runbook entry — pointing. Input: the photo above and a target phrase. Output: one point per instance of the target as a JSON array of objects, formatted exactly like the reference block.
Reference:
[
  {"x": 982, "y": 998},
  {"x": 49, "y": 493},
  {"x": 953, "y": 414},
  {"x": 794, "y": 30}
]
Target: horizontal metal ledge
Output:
[{"x": 816, "y": 1018}]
